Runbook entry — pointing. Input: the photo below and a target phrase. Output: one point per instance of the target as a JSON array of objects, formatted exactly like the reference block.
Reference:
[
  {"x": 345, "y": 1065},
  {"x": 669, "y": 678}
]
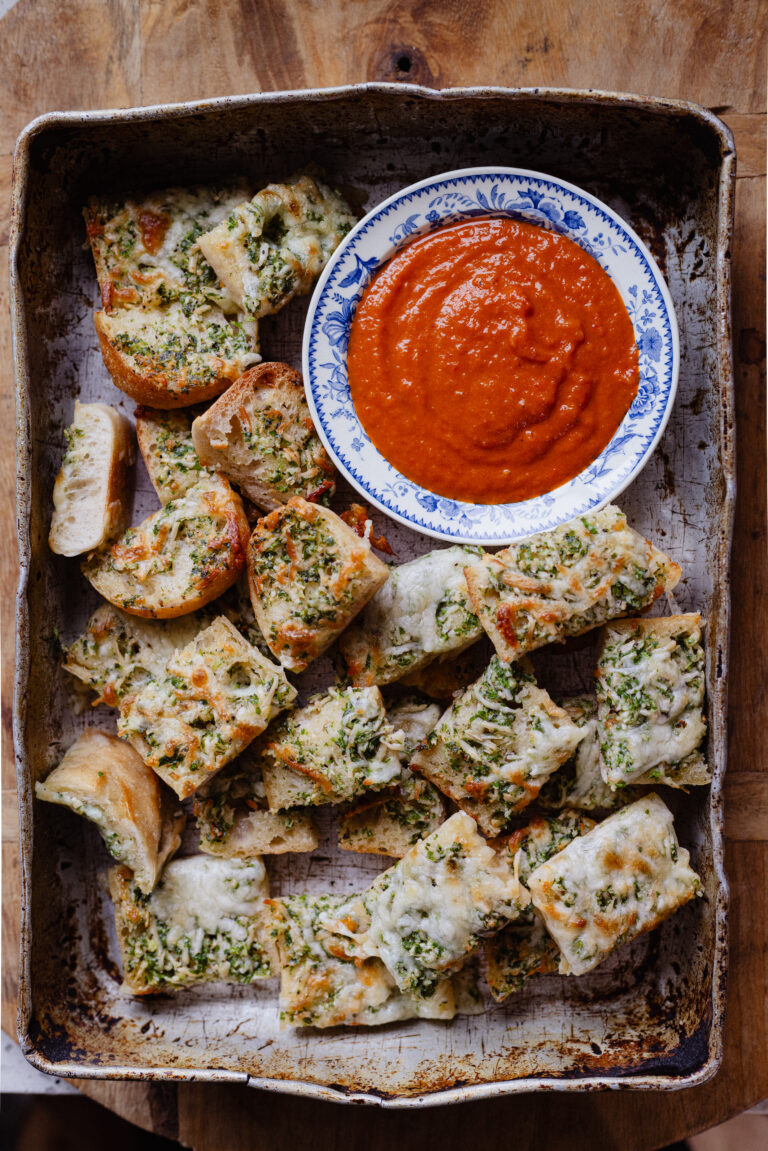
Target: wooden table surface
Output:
[{"x": 99, "y": 53}]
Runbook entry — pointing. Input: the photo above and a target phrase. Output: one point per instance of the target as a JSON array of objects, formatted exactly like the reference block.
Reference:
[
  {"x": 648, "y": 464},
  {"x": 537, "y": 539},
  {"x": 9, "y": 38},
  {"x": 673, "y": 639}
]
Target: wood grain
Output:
[{"x": 97, "y": 53}]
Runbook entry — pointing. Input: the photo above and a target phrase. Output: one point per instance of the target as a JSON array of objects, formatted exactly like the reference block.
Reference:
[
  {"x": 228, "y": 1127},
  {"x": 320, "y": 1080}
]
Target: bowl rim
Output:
[{"x": 381, "y": 208}]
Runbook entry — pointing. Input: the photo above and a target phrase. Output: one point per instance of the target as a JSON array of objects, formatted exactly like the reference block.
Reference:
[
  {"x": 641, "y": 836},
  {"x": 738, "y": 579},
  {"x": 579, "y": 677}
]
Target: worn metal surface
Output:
[{"x": 652, "y": 1016}]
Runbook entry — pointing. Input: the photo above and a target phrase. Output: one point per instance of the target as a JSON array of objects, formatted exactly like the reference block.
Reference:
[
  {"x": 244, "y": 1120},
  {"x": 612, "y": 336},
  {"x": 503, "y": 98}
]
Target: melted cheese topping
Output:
[
  {"x": 326, "y": 981},
  {"x": 650, "y": 688},
  {"x": 603, "y": 889},
  {"x": 169, "y": 453},
  {"x": 497, "y": 744},
  {"x": 274, "y": 246},
  {"x": 216, "y": 696},
  {"x": 567, "y": 581},
  {"x": 203, "y": 922},
  {"x": 431, "y": 909},
  {"x": 579, "y": 782},
  {"x": 421, "y": 612},
  {"x": 336, "y": 747}
]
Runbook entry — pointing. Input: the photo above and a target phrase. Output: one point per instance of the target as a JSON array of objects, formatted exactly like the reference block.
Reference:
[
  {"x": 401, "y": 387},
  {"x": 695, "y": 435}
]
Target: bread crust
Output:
[{"x": 231, "y": 436}]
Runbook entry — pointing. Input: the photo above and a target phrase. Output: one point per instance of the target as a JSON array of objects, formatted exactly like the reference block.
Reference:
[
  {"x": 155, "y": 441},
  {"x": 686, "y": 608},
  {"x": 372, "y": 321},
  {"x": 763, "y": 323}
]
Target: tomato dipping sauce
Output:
[{"x": 492, "y": 361}]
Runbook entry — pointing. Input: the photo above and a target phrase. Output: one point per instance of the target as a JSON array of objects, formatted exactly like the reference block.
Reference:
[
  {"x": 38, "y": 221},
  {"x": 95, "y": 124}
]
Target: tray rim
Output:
[{"x": 721, "y": 614}]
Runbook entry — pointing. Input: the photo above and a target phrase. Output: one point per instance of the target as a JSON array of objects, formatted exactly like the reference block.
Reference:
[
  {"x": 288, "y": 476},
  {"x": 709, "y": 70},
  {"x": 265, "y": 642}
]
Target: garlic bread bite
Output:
[
  {"x": 91, "y": 501},
  {"x": 170, "y": 333},
  {"x": 260, "y": 435},
  {"x": 338, "y": 746},
  {"x": 180, "y": 558},
  {"x": 389, "y": 822},
  {"x": 497, "y": 744},
  {"x": 524, "y": 948},
  {"x": 423, "y": 611},
  {"x": 567, "y": 581},
  {"x": 579, "y": 782},
  {"x": 103, "y": 779},
  {"x": 273, "y": 247},
  {"x": 215, "y": 696},
  {"x": 325, "y": 981},
  {"x": 622, "y": 878},
  {"x": 309, "y": 574},
  {"x": 165, "y": 443},
  {"x": 203, "y": 923},
  {"x": 233, "y": 817},
  {"x": 650, "y": 692}
]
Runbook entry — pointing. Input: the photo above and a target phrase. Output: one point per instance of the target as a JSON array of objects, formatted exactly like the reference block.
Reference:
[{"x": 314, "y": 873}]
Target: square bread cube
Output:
[
  {"x": 650, "y": 702},
  {"x": 217, "y": 694},
  {"x": 234, "y": 820},
  {"x": 205, "y": 922},
  {"x": 325, "y": 980},
  {"x": 423, "y": 611},
  {"x": 567, "y": 581},
  {"x": 497, "y": 744},
  {"x": 389, "y": 822},
  {"x": 624, "y": 877},
  {"x": 261, "y": 436},
  {"x": 338, "y": 746},
  {"x": 524, "y": 948},
  {"x": 310, "y": 574},
  {"x": 431, "y": 910}
]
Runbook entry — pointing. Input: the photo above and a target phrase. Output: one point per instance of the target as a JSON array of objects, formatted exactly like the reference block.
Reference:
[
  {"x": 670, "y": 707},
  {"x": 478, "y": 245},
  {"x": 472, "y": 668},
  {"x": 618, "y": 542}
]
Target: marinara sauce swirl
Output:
[{"x": 492, "y": 361}]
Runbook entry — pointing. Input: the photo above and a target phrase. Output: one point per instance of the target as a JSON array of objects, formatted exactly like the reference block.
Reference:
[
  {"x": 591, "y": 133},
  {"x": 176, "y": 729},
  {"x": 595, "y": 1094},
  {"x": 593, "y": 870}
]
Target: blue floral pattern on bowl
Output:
[{"x": 451, "y": 198}]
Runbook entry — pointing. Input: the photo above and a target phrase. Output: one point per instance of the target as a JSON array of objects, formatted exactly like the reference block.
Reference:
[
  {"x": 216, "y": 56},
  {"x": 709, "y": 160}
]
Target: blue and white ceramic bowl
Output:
[{"x": 448, "y": 199}]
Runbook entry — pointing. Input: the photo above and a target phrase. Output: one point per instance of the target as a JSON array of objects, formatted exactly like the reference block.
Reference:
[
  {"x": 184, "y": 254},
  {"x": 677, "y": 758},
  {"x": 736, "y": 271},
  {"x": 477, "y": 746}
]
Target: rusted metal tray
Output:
[{"x": 650, "y": 1018}]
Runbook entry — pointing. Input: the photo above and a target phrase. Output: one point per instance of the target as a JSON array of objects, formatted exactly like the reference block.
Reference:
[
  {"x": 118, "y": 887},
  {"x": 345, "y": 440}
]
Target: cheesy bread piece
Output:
[
  {"x": 338, "y": 746},
  {"x": 103, "y": 779},
  {"x": 579, "y": 782},
  {"x": 179, "y": 559},
  {"x": 524, "y": 948},
  {"x": 170, "y": 333},
  {"x": 90, "y": 494},
  {"x": 451, "y": 673},
  {"x": 260, "y": 435},
  {"x": 623, "y": 878},
  {"x": 309, "y": 574},
  {"x": 273, "y": 247},
  {"x": 650, "y": 693},
  {"x": 422, "y": 612},
  {"x": 165, "y": 442},
  {"x": 234, "y": 820},
  {"x": 567, "y": 581},
  {"x": 325, "y": 977},
  {"x": 497, "y": 744},
  {"x": 389, "y": 822},
  {"x": 205, "y": 922},
  {"x": 217, "y": 694},
  {"x": 435, "y": 906}
]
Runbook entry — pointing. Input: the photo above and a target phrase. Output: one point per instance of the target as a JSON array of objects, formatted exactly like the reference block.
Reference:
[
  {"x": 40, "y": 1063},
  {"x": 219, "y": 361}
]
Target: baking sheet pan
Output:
[{"x": 652, "y": 1016}]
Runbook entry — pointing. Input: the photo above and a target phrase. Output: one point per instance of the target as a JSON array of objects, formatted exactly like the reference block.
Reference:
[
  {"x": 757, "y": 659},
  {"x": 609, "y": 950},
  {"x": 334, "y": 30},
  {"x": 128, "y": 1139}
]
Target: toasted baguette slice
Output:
[
  {"x": 180, "y": 558},
  {"x": 391, "y": 821},
  {"x": 338, "y": 746},
  {"x": 272, "y": 247},
  {"x": 217, "y": 694},
  {"x": 309, "y": 574},
  {"x": 260, "y": 435},
  {"x": 91, "y": 503},
  {"x": 164, "y": 358},
  {"x": 496, "y": 745},
  {"x": 579, "y": 783},
  {"x": 650, "y": 702},
  {"x": 205, "y": 921},
  {"x": 103, "y": 779},
  {"x": 165, "y": 443},
  {"x": 234, "y": 821},
  {"x": 567, "y": 581}
]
